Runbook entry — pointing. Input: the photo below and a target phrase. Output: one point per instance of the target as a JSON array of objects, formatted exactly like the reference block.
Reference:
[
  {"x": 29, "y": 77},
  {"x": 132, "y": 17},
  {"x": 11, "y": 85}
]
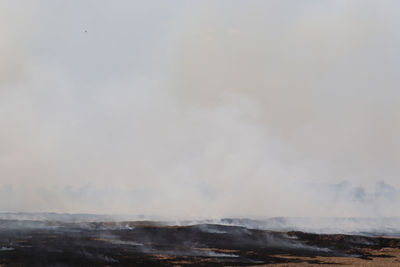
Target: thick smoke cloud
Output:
[{"x": 210, "y": 109}]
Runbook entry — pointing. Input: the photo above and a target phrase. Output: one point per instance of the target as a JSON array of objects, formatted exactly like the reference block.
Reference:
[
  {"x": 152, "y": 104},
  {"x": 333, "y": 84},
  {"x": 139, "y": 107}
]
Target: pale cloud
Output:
[{"x": 202, "y": 109}]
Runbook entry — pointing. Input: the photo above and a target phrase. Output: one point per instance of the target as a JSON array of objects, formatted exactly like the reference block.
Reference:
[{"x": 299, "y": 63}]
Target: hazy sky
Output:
[{"x": 200, "y": 108}]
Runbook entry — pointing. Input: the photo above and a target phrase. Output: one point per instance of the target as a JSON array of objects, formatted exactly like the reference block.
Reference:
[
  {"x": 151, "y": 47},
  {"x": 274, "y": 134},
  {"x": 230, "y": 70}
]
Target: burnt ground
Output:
[{"x": 33, "y": 243}]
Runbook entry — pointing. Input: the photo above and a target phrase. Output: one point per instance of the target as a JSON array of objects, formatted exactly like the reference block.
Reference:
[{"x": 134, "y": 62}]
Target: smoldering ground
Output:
[{"x": 49, "y": 242}]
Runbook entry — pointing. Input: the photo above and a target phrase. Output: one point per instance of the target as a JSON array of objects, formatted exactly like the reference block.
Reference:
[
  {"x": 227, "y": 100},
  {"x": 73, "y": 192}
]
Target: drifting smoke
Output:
[
  {"x": 218, "y": 109},
  {"x": 13, "y": 29}
]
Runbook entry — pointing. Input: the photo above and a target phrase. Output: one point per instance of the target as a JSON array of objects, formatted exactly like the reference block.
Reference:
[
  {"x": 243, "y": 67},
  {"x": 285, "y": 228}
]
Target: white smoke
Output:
[{"x": 200, "y": 110}]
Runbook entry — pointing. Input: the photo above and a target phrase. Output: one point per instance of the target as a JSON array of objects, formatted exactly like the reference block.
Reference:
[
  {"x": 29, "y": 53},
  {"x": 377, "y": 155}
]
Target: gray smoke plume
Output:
[{"x": 229, "y": 108}]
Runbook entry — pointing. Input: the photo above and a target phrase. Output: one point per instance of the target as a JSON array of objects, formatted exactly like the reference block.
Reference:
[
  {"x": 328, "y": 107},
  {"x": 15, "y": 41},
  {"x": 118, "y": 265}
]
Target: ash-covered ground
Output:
[{"x": 65, "y": 240}]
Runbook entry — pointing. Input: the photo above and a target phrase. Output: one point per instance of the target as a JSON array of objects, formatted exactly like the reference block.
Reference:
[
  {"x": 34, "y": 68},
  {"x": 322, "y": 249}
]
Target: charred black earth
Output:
[{"x": 147, "y": 243}]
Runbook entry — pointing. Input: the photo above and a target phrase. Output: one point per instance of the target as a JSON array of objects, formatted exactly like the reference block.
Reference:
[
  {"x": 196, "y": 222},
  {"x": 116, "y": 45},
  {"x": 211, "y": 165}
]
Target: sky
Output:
[{"x": 186, "y": 109}]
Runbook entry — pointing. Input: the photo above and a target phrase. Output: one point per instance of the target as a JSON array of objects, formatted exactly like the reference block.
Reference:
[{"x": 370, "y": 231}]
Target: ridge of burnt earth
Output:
[
  {"x": 349, "y": 244},
  {"x": 152, "y": 244}
]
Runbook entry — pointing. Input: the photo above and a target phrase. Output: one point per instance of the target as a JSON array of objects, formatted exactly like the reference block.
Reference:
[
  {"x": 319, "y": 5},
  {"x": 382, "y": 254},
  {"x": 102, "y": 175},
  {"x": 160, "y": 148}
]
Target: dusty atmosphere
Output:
[{"x": 173, "y": 133}]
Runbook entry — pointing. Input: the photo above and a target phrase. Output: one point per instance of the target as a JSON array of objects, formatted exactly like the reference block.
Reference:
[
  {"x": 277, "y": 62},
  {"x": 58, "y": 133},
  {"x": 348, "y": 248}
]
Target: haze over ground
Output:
[{"x": 200, "y": 109}]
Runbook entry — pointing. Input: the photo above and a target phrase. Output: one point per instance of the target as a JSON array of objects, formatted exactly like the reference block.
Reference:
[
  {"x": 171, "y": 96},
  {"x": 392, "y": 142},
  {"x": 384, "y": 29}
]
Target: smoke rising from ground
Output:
[{"x": 198, "y": 110}]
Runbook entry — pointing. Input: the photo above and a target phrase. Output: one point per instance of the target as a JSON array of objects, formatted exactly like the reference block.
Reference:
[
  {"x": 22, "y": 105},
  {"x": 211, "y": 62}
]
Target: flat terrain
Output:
[{"x": 41, "y": 243}]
